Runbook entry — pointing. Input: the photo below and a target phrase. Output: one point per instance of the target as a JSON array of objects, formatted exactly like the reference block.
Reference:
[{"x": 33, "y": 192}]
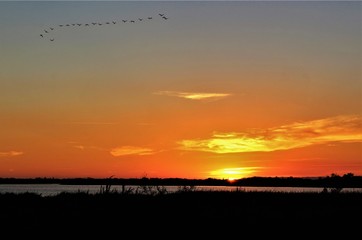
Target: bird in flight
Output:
[{"x": 41, "y": 35}]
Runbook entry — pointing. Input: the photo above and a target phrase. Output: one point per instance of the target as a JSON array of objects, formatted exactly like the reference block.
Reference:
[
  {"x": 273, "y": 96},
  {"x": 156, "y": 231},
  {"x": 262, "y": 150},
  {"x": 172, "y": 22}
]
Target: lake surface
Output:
[{"x": 54, "y": 189}]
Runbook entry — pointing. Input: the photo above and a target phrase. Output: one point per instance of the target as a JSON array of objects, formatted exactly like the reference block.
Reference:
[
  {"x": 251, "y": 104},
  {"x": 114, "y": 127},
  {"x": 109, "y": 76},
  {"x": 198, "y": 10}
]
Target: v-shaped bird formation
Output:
[{"x": 47, "y": 33}]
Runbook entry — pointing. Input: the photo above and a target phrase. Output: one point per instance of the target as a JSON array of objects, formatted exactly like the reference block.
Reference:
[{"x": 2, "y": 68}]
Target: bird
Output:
[
  {"x": 113, "y": 22},
  {"x": 52, "y": 39},
  {"x": 45, "y": 31},
  {"x": 41, "y": 35},
  {"x": 124, "y": 20},
  {"x": 161, "y": 14},
  {"x": 149, "y": 18},
  {"x": 132, "y": 21},
  {"x": 165, "y": 17},
  {"x": 140, "y": 19},
  {"x": 61, "y": 25},
  {"x": 86, "y": 24},
  {"x": 51, "y": 28}
]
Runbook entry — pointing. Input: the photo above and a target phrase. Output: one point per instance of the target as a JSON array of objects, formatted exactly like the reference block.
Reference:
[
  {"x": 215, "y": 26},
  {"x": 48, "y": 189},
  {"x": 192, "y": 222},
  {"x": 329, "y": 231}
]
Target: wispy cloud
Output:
[
  {"x": 131, "y": 150},
  {"x": 92, "y": 123},
  {"x": 194, "y": 95},
  {"x": 117, "y": 151},
  {"x": 11, "y": 153},
  {"x": 82, "y": 147},
  {"x": 295, "y": 135}
]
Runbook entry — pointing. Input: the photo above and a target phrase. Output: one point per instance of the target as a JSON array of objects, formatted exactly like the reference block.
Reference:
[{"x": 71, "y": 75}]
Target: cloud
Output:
[
  {"x": 194, "y": 95},
  {"x": 11, "y": 154},
  {"x": 92, "y": 123},
  {"x": 118, "y": 151},
  {"x": 81, "y": 147},
  {"x": 295, "y": 135},
  {"x": 131, "y": 150}
]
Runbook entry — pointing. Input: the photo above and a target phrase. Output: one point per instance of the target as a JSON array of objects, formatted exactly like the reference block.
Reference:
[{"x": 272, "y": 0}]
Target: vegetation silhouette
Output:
[
  {"x": 331, "y": 182},
  {"x": 151, "y": 208}
]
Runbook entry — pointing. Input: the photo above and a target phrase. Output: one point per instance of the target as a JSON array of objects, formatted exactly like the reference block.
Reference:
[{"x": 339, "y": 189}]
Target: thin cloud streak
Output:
[
  {"x": 82, "y": 147},
  {"x": 296, "y": 135},
  {"x": 194, "y": 95},
  {"x": 92, "y": 123},
  {"x": 11, "y": 154},
  {"x": 131, "y": 150},
  {"x": 118, "y": 151}
]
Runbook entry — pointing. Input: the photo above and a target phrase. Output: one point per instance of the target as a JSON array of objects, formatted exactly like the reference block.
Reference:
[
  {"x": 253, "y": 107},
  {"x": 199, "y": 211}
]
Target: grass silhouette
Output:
[{"x": 188, "y": 209}]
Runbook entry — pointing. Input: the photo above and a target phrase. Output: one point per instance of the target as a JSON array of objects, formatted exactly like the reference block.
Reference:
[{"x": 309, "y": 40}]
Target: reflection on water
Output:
[{"x": 54, "y": 189}]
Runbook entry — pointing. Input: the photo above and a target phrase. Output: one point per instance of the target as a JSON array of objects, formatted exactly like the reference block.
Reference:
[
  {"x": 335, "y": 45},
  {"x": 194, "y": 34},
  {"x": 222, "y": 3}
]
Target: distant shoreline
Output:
[{"x": 345, "y": 181}]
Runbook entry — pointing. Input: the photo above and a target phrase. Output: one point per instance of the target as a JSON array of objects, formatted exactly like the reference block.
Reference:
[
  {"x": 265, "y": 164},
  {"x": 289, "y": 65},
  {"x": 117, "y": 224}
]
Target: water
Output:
[{"x": 54, "y": 189}]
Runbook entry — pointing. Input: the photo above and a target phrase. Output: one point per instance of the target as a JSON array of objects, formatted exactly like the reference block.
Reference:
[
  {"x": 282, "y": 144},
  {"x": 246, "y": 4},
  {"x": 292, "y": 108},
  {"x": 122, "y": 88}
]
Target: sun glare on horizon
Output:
[{"x": 232, "y": 174}]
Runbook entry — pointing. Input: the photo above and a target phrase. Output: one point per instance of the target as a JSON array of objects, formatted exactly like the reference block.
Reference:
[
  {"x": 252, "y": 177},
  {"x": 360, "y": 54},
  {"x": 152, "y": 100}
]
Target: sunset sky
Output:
[{"x": 218, "y": 89}]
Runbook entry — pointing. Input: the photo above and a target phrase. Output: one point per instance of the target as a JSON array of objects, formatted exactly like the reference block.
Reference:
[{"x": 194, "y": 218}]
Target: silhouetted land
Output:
[
  {"x": 187, "y": 213},
  {"x": 346, "y": 181}
]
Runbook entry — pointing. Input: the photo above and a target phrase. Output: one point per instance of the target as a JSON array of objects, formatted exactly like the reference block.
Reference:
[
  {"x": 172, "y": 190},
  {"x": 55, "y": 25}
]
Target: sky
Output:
[{"x": 180, "y": 89}]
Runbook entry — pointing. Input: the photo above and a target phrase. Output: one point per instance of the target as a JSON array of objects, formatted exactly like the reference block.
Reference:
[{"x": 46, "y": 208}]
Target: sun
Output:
[
  {"x": 228, "y": 173},
  {"x": 232, "y": 174},
  {"x": 231, "y": 180}
]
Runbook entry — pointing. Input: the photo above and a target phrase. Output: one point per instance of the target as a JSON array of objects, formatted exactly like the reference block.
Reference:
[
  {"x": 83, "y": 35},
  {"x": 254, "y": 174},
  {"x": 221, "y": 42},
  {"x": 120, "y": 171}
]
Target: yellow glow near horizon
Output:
[{"x": 233, "y": 173}]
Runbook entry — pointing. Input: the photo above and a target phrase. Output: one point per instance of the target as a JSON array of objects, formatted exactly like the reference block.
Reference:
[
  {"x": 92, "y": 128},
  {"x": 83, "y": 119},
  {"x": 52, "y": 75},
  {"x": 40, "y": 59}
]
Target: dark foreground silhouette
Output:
[
  {"x": 348, "y": 180},
  {"x": 184, "y": 214}
]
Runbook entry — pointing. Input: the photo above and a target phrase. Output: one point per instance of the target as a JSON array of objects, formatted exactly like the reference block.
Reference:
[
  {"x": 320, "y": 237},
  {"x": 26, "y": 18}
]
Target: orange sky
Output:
[{"x": 219, "y": 89}]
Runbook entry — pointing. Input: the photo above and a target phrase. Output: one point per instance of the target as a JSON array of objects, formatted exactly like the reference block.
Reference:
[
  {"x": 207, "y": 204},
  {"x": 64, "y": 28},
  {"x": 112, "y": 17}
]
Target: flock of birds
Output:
[{"x": 46, "y": 34}]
